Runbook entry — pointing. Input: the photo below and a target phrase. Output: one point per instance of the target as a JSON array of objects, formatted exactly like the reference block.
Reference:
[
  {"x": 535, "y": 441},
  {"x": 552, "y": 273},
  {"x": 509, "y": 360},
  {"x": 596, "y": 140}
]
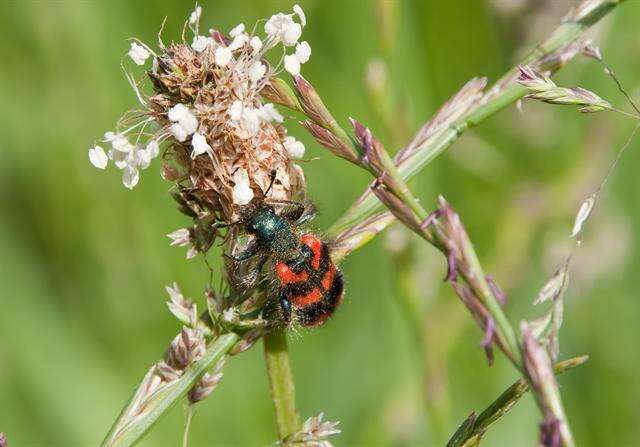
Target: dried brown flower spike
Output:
[{"x": 222, "y": 139}]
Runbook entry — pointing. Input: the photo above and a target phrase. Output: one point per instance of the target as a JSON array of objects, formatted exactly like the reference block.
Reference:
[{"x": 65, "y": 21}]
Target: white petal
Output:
[
  {"x": 143, "y": 158},
  {"x": 178, "y": 132},
  {"x": 177, "y": 112},
  {"x": 189, "y": 123},
  {"x": 298, "y": 10},
  {"x": 195, "y": 15},
  {"x": 119, "y": 158},
  {"x": 200, "y": 145},
  {"x": 138, "y": 53},
  {"x": 292, "y": 64},
  {"x": 294, "y": 148},
  {"x": 200, "y": 43},
  {"x": 192, "y": 252},
  {"x": 130, "y": 177},
  {"x": 242, "y": 192},
  {"x": 238, "y": 42},
  {"x": 180, "y": 237},
  {"x": 256, "y": 44},
  {"x": 235, "y": 111},
  {"x": 153, "y": 148},
  {"x": 268, "y": 112},
  {"x": 274, "y": 24},
  {"x": 303, "y": 52},
  {"x": 291, "y": 34},
  {"x": 583, "y": 215},
  {"x": 222, "y": 56},
  {"x": 98, "y": 157},
  {"x": 121, "y": 143},
  {"x": 256, "y": 71},
  {"x": 237, "y": 30},
  {"x": 251, "y": 120}
]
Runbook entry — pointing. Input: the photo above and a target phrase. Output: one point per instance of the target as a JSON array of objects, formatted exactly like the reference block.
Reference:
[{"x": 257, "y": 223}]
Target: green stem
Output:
[
  {"x": 472, "y": 430},
  {"x": 130, "y": 428},
  {"x": 283, "y": 393},
  {"x": 187, "y": 425}
]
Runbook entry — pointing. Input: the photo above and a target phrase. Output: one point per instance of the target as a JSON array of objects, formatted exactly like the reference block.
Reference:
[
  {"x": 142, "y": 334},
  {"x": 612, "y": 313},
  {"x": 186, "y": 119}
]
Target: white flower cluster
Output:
[
  {"x": 128, "y": 157},
  {"x": 238, "y": 60}
]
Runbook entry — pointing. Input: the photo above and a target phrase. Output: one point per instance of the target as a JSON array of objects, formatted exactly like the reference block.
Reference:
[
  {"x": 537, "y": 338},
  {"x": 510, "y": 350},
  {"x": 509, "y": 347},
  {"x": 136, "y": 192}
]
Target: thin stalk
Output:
[
  {"x": 472, "y": 429},
  {"x": 187, "y": 425},
  {"x": 130, "y": 428},
  {"x": 283, "y": 392}
]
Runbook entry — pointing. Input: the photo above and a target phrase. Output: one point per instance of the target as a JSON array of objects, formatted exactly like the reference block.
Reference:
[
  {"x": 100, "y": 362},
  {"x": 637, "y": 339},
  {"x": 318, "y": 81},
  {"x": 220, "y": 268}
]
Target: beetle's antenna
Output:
[{"x": 273, "y": 179}]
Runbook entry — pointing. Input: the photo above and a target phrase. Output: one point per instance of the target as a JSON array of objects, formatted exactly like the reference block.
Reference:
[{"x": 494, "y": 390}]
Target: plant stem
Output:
[
  {"x": 472, "y": 430},
  {"x": 187, "y": 425},
  {"x": 130, "y": 428},
  {"x": 283, "y": 393}
]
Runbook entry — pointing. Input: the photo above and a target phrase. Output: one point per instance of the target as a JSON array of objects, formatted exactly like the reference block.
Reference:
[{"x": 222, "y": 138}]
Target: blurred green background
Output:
[{"x": 84, "y": 261}]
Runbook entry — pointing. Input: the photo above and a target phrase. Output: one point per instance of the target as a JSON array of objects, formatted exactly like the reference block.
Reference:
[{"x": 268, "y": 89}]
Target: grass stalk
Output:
[
  {"x": 281, "y": 383},
  {"x": 474, "y": 427}
]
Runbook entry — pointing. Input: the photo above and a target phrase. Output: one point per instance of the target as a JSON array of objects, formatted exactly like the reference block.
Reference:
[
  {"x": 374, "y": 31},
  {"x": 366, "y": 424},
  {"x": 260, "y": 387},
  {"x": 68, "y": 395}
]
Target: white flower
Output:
[
  {"x": 303, "y": 52},
  {"x": 268, "y": 112},
  {"x": 178, "y": 132},
  {"x": 177, "y": 112},
  {"x": 292, "y": 64},
  {"x": 153, "y": 148},
  {"x": 294, "y": 148},
  {"x": 292, "y": 34},
  {"x": 251, "y": 120},
  {"x": 237, "y": 30},
  {"x": 130, "y": 177},
  {"x": 248, "y": 117},
  {"x": 184, "y": 121},
  {"x": 143, "y": 158},
  {"x": 189, "y": 123},
  {"x": 238, "y": 41},
  {"x": 256, "y": 44},
  {"x": 300, "y": 13},
  {"x": 98, "y": 157},
  {"x": 119, "y": 158},
  {"x": 195, "y": 15},
  {"x": 138, "y": 53},
  {"x": 283, "y": 29},
  {"x": 222, "y": 56},
  {"x": 192, "y": 252},
  {"x": 118, "y": 141},
  {"x": 181, "y": 237},
  {"x": 235, "y": 111},
  {"x": 242, "y": 192},
  {"x": 256, "y": 71},
  {"x": 200, "y": 43},
  {"x": 200, "y": 145}
]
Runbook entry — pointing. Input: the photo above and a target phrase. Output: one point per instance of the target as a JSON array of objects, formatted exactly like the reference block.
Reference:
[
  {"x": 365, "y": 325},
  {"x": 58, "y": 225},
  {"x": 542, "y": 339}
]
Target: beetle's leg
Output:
[
  {"x": 250, "y": 251},
  {"x": 254, "y": 275},
  {"x": 285, "y": 308},
  {"x": 299, "y": 213}
]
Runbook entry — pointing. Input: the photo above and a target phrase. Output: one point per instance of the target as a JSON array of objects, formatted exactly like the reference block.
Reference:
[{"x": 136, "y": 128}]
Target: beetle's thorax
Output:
[{"x": 273, "y": 232}]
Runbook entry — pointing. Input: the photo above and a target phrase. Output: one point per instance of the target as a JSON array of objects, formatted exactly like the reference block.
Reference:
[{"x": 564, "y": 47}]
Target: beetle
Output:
[{"x": 309, "y": 286}]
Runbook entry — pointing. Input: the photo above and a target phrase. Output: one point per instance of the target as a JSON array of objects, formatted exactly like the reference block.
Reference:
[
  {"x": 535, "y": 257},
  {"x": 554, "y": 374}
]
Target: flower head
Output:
[
  {"x": 207, "y": 100},
  {"x": 138, "y": 53}
]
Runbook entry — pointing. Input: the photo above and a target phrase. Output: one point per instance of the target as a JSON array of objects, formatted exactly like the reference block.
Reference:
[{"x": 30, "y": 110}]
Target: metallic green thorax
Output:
[{"x": 273, "y": 232}]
